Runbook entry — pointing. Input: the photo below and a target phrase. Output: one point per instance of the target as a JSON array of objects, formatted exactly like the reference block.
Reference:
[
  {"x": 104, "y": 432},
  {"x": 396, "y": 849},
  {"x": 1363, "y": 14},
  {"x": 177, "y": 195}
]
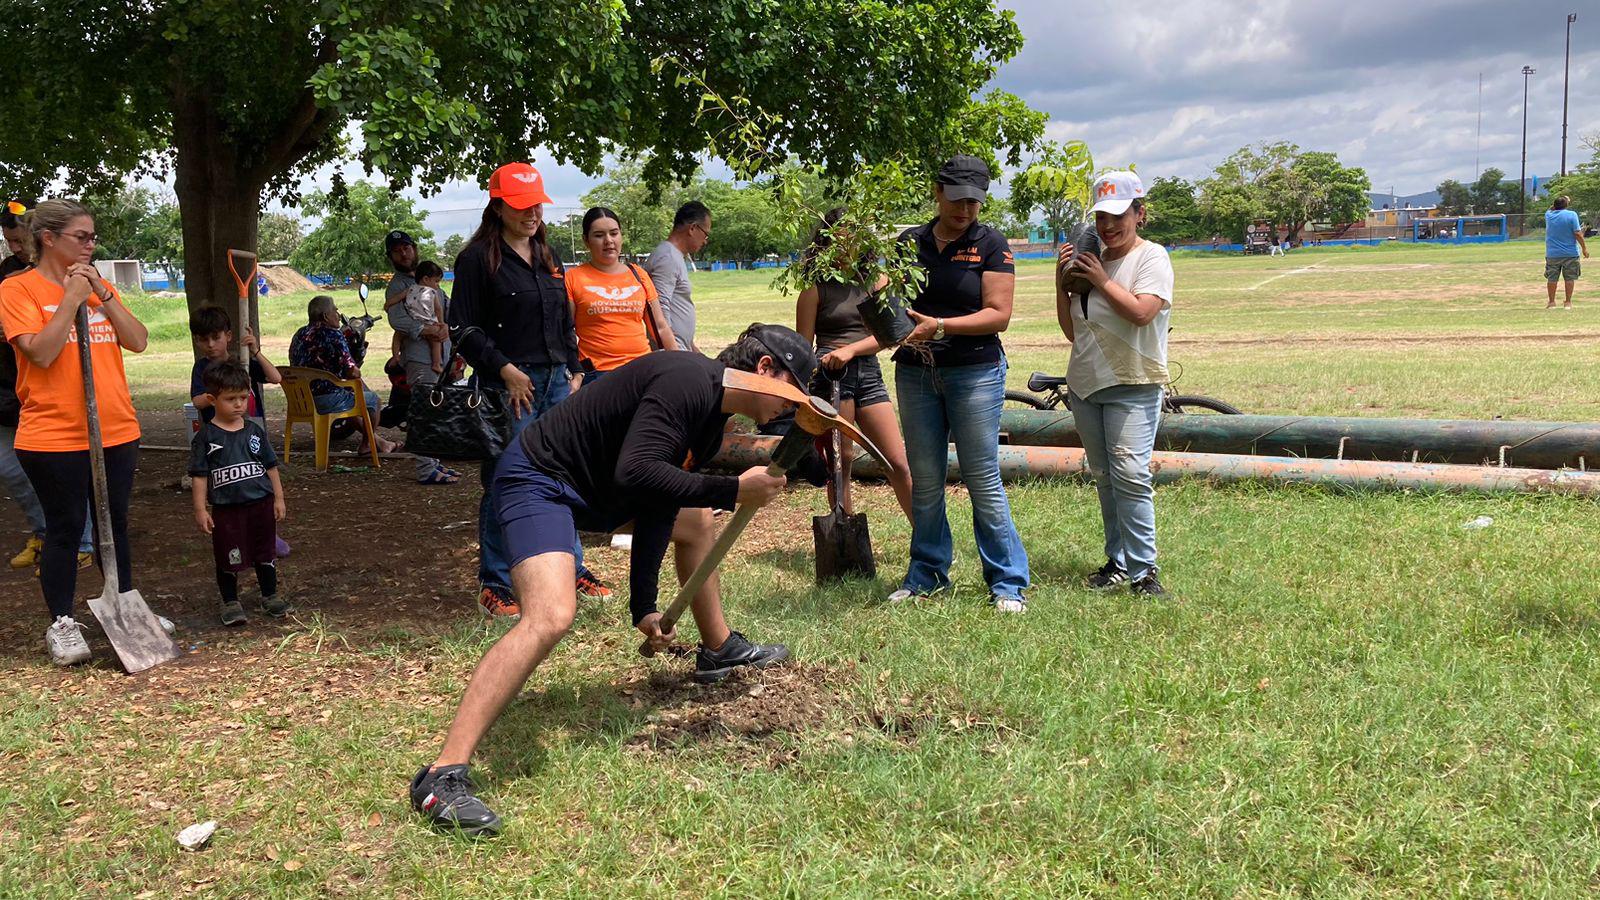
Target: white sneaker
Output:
[
  {"x": 64, "y": 640},
  {"x": 901, "y": 596},
  {"x": 1010, "y": 605}
]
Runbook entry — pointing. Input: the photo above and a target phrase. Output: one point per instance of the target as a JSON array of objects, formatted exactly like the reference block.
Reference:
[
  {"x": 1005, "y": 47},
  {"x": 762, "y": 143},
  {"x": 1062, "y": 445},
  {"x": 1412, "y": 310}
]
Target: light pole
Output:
[
  {"x": 1522, "y": 183},
  {"x": 1565, "y": 69}
]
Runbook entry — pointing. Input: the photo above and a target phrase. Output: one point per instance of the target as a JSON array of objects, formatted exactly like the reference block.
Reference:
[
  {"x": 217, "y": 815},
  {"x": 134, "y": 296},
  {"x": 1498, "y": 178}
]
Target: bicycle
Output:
[{"x": 1047, "y": 392}]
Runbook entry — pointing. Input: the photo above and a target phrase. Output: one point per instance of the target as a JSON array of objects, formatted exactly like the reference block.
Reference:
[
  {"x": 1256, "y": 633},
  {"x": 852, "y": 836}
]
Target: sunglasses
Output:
[
  {"x": 15, "y": 208},
  {"x": 82, "y": 237}
]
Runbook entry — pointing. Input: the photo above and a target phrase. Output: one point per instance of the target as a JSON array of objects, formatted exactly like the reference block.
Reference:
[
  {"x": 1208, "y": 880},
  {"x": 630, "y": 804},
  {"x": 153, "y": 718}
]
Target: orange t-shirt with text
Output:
[
  {"x": 54, "y": 415},
  {"x": 609, "y": 314}
]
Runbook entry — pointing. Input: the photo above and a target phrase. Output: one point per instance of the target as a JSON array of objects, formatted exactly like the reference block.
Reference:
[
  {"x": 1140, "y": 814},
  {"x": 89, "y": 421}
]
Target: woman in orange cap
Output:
[{"x": 510, "y": 296}]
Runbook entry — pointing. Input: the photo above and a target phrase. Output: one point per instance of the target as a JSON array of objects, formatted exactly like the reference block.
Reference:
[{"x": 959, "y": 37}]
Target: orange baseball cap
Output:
[{"x": 519, "y": 185}]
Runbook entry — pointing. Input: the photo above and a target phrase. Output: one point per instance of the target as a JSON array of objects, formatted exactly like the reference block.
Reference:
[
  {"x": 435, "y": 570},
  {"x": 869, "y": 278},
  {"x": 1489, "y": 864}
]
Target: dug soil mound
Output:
[
  {"x": 285, "y": 280},
  {"x": 764, "y": 715}
]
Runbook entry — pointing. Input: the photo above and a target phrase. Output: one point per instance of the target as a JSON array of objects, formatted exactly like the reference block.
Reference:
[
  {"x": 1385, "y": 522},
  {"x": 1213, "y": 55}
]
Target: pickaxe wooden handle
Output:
[
  {"x": 813, "y": 416},
  {"x": 785, "y": 456}
]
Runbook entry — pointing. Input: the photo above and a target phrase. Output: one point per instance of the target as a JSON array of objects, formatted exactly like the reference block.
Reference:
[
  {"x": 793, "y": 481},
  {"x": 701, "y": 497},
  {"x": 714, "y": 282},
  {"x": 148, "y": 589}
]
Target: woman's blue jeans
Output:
[
  {"x": 960, "y": 404},
  {"x": 1118, "y": 428},
  {"x": 550, "y": 386}
]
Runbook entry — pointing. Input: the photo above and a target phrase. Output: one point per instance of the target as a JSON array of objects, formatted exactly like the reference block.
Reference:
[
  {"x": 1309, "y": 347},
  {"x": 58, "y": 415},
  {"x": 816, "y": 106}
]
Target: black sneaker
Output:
[
  {"x": 444, "y": 797},
  {"x": 1147, "y": 585},
  {"x": 714, "y": 665},
  {"x": 233, "y": 613},
  {"x": 275, "y": 606},
  {"x": 1107, "y": 577}
]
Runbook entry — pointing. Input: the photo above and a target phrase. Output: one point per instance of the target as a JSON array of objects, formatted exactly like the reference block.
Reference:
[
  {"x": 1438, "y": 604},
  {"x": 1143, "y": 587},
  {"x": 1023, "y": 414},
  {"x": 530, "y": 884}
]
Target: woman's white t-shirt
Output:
[{"x": 1108, "y": 350}]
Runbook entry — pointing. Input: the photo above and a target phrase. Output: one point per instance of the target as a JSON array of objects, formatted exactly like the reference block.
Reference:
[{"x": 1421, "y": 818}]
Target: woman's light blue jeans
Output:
[
  {"x": 960, "y": 404},
  {"x": 1118, "y": 428},
  {"x": 550, "y": 386}
]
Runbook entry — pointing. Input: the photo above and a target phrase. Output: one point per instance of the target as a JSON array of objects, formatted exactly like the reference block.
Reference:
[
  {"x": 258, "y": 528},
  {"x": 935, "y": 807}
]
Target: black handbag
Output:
[{"x": 458, "y": 421}]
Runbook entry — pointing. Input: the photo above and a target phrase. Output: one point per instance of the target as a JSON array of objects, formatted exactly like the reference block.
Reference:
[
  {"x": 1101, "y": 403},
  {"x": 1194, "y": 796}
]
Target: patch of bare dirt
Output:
[{"x": 763, "y": 715}]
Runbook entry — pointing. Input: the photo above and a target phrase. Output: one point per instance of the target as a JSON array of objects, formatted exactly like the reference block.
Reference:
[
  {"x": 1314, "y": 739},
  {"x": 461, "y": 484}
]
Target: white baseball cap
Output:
[{"x": 1114, "y": 192}]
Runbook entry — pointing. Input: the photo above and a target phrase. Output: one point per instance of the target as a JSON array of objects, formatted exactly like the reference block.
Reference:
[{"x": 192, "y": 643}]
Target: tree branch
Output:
[{"x": 303, "y": 130}]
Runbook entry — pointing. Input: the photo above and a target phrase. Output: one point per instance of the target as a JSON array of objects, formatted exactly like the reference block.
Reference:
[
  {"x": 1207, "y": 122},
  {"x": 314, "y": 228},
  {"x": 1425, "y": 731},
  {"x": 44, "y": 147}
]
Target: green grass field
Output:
[{"x": 1349, "y": 694}]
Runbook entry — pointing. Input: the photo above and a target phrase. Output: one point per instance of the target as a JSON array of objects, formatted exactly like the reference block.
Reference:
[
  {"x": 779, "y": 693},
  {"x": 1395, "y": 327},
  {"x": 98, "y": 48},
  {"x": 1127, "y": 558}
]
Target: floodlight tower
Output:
[
  {"x": 1522, "y": 183},
  {"x": 1566, "y": 68}
]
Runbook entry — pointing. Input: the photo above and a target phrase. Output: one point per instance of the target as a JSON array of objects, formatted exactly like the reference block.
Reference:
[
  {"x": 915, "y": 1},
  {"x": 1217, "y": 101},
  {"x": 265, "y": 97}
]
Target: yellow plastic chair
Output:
[{"x": 302, "y": 408}]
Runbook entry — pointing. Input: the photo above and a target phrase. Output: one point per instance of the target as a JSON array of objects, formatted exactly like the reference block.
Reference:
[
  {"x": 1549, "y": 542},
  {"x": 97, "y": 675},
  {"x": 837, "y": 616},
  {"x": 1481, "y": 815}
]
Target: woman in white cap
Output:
[
  {"x": 510, "y": 317},
  {"x": 1117, "y": 371}
]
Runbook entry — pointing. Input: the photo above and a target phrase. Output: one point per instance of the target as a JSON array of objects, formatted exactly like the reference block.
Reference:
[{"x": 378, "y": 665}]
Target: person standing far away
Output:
[
  {"x": 950, "y": 375},
  {"x": 669, "y": 269},
  {"x": 1563, "y": 235},
  {"x": 511, "y": 322},
  {"x": 418, "y": 342}
]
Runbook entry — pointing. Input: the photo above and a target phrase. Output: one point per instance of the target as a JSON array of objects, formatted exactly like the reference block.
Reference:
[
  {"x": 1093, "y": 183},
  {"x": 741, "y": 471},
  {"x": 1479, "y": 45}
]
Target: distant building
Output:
[{"x": 1399, "y": 218}]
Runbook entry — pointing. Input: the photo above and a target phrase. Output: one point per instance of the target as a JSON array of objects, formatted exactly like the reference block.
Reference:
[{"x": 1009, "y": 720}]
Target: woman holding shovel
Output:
[
  {"x": 38, "y": 309},
  {"x": 830, "y": 313}
]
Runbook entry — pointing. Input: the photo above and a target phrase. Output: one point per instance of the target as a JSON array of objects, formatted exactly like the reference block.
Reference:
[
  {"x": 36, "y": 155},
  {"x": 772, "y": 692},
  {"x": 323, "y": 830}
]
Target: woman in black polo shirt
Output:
[
  {"x": 510, "y": 319},
  {"x": 951, "y": 377}
]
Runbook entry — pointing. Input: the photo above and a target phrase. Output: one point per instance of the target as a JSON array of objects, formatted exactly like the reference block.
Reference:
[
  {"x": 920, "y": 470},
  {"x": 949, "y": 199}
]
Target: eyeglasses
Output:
[
  {"x": 704, "y": 231},
  {"x": 82, "y": 237}
]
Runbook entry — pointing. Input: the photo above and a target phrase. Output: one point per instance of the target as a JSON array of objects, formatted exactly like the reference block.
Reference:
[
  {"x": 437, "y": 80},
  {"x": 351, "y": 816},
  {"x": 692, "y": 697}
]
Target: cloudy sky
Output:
[{"x": 1175, "y": 87}]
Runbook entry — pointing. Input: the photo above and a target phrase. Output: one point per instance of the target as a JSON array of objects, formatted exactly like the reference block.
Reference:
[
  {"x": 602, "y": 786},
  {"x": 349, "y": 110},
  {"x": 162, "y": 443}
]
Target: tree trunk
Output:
[{"x": 219, "y": 206}]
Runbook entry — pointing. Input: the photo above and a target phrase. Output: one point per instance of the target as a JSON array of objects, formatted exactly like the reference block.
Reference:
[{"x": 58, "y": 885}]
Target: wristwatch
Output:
[{"x": 938, "y": 329}]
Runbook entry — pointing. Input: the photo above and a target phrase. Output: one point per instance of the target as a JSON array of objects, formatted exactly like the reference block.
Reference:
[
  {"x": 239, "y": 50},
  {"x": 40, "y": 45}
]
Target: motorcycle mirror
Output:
[{"x": 361, "y": 291}]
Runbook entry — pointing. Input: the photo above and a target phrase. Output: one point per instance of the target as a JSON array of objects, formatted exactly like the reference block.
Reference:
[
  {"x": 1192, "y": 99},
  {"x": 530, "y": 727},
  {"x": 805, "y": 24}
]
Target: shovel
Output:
[
  {"x": 843, "y": 545},
  {"x": 127, "y": 620}
]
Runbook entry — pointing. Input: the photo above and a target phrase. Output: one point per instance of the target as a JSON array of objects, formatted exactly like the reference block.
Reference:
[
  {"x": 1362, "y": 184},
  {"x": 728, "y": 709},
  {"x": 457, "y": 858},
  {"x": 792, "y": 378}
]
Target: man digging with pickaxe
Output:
[{"x": 626, "y": 448}]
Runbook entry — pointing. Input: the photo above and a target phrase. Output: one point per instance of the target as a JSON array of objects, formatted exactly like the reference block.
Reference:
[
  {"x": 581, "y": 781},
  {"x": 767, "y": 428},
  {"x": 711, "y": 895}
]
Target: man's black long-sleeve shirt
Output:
[{"x": 629, "y": 445}]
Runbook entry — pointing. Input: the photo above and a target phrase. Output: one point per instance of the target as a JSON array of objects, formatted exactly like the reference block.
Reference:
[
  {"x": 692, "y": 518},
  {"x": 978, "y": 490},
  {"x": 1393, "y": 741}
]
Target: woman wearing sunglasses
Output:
[{"x": 39, "y": 309}]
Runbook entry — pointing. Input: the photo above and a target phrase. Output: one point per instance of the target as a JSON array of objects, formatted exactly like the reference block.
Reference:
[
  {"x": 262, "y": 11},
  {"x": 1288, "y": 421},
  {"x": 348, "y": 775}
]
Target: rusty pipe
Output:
[{"x": 741, "y": 451}]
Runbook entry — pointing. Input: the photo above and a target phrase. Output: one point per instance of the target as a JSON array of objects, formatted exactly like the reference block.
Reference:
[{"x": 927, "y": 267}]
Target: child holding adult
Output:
[
  {"x": 829, "y": 312},
  {"x": 1116, "y": 373},
  {"x": 614, "y": 305},
  {"x": 212, "y": 331},
  {"x": 39, "y": 309},
  {"x": 238, "y": 496}
]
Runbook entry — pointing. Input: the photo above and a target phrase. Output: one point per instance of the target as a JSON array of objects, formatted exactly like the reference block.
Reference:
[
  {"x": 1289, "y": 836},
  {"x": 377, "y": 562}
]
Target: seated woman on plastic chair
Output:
[{"x": 320, "y": 344}]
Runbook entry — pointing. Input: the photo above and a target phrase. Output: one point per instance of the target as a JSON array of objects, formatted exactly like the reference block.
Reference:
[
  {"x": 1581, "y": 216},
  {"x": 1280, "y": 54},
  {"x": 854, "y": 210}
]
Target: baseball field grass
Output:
[{"x": 1348, "y": 694}]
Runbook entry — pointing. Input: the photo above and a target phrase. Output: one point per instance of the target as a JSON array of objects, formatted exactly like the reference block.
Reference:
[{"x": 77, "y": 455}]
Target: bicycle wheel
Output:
[
  {"x": 1015, "y": 399},
  {"x": 1193, "y": 404}
]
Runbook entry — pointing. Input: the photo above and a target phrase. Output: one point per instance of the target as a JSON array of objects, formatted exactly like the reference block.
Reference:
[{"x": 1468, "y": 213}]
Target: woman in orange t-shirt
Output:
[
  {"x": 39, "y": 309},
  {"x": 614, "y": 305}
]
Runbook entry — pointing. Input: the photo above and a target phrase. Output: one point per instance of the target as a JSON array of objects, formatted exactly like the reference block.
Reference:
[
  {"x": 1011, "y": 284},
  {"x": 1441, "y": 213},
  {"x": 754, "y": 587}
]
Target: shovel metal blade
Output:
[
  {"x": 133, "y": 630},
  {"x": 844, "y": 548}
]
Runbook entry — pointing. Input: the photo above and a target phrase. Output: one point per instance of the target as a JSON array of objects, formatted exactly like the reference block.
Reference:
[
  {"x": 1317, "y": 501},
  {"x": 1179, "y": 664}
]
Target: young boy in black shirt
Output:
[{"x": 236, "y": 471}]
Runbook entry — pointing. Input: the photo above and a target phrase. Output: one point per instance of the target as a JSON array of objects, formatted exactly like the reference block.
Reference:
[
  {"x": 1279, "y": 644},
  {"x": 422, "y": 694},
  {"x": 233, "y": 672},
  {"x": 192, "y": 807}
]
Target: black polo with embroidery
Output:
[{"x": 955, "y": 288}]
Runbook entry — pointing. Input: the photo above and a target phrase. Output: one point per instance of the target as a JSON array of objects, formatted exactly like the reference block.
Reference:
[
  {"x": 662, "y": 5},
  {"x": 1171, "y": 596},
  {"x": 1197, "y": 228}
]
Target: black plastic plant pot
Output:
[
  {"x": 1084, "y": 240},
  {"x": 885, "y": 316}
]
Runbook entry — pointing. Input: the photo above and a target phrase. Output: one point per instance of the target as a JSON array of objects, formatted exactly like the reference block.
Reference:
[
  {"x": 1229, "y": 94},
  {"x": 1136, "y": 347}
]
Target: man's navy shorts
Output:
[{"x": 538, "y": 513}]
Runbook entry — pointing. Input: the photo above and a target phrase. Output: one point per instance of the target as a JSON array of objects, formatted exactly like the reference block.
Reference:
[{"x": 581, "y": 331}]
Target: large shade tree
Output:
[{"x": 239, "y": 101}]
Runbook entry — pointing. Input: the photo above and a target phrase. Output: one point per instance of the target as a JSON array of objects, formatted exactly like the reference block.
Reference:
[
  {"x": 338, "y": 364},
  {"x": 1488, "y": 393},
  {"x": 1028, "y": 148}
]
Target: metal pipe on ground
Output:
[
  {"x": 741, "y": 451},
  {"x": 1540, "y": 445}
]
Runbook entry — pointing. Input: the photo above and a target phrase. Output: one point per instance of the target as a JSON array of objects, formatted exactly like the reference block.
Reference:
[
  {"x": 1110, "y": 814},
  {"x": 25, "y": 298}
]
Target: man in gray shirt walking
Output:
[{"x": 669, "y": 269}]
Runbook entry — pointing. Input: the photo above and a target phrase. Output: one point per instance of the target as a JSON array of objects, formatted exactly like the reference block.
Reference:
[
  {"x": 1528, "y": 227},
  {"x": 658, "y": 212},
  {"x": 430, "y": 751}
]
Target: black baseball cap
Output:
[
  {"x": 964, "y": 178},
  {"x": 394, "y": 239},
  {"x": 789, "y": 350}
]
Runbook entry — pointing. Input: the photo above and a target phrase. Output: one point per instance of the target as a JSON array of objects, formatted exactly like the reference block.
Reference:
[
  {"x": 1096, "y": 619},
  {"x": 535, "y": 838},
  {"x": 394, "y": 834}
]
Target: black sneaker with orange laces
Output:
[
  {"x": 590, "y": 586},
  {"x": 496, "y": 602}
]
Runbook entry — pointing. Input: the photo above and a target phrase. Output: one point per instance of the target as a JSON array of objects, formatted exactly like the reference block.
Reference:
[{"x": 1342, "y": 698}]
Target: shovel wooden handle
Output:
[
  {"x": 97, "y": 458},
  {"x": 784, "y": 457}
]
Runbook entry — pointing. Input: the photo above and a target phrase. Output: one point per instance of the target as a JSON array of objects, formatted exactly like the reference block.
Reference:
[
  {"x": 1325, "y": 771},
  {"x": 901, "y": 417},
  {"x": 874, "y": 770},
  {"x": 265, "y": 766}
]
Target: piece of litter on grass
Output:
[
  {"x": 196, "y": 836},
  {"x": 1479, "y": 522},
  {"x": 622, "y": 542}
]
